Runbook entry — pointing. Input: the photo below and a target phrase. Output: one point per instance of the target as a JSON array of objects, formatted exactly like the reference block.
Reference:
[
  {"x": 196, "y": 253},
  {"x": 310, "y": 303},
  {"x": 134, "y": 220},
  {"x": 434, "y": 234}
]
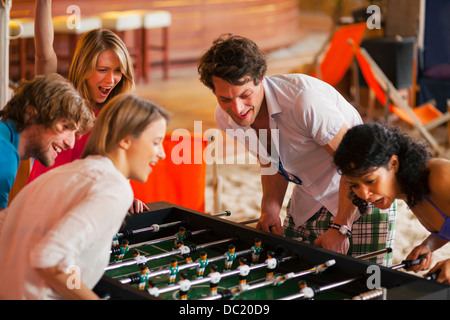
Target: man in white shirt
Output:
[{"x": 293, "y": 124}]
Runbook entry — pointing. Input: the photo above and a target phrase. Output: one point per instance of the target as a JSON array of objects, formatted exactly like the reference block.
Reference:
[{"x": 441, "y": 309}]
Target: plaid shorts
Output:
[{"x": 375, "y": 231}]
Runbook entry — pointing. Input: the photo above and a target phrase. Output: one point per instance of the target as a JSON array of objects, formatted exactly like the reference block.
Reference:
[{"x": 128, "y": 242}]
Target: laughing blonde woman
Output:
[{"x": 101, "y": 69}]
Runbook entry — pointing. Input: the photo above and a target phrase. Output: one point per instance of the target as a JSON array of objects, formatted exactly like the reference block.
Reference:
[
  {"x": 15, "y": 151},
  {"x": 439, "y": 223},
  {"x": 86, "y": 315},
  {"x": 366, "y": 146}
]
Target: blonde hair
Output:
[
  {"x": 124, "y": 115},
  {"x": 52, "y": 98},
  {"x": 84, "y": 61}
]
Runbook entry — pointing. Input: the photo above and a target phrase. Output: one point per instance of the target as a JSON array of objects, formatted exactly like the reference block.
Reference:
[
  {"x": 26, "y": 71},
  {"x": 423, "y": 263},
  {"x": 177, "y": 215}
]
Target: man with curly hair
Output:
[
  {"x": 382, "y": 164},
  {"x": 39, "y": 121},
  {"x": 293, "y": 123}
]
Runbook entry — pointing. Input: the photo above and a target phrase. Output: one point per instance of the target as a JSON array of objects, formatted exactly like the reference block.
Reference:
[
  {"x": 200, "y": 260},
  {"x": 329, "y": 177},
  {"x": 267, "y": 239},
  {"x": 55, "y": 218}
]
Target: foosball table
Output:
[{"x": 172, "y": 253}]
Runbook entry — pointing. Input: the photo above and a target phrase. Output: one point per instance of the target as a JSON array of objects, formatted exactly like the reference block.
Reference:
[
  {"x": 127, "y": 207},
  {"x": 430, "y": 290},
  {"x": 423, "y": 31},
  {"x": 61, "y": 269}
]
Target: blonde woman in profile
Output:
[
  {"x": 81, "y": 204},
  {"x": 101, "y": 69}
]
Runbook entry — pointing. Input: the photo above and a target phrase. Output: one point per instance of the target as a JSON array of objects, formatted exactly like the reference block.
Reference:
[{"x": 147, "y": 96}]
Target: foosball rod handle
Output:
[
  {"x": 225, "y": 213},
  {"x": 406, "y": 264},
  {"x": 432, "y": 276}
]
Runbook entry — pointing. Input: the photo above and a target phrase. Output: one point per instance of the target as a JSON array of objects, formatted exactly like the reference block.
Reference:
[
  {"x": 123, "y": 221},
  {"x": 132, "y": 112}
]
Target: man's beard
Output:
[{"x": 39, "y": 152}]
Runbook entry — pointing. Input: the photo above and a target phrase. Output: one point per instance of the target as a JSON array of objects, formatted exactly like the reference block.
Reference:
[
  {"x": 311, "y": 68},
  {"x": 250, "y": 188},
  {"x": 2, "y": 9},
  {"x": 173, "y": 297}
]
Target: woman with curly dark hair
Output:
[{"x": 382, "y": 164}]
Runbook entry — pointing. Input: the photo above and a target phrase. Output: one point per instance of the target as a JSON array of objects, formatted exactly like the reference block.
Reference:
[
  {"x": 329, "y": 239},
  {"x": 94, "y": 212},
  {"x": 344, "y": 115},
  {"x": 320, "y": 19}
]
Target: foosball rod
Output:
[
  {"x": 374, "y": 254},
  {"x": 168, "y": 254},
  {"x": 276, "y": 281},
  {"x": 154, "y": 227},
  {"x": 404, "y": 264},
  {"x": 316, "y": 269},
  {"x": 159, "y": 240},
  {"x": 249, "y": 221},
  {"x": 223, "y": 213},
  {"x": 186, "y": 266},
  {"x": 149, "y": 243},
  {"x": 223, "y": 275},
  {"x": 379, "y": 294},
  {"x": 321, "y": 289},
  {"x": 152, "y": 242}
]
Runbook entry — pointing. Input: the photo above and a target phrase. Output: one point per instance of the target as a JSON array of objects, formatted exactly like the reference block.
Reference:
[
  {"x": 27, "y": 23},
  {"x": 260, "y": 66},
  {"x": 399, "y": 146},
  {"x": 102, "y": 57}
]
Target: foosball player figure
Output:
[
  {"x": 123, "y": 250},
  {"x": 244, "y": 270},
  {"x": 137, "y": 256},
  {"x": 180, "y": 235},
  {"x": 187, "y": 256},
  {"x": 282, "y": 278},
  {"x": 143, "y": 276},
  {"x": 215, "y": 279},
  {"x": 271, "y": 263},
  {"x": 230, "y": 255},
  {"x": 202, "y": 263},
  {"x": 154, "y": 291},
  {"x": 322, "y": 267},
  {"x": 173, "y": 271},
  {"x": 307, "y": 291},
  {"x": 256, "y": 251},
  {"x": 185, "y": 285},
  {"x": 115, "y": 242}
]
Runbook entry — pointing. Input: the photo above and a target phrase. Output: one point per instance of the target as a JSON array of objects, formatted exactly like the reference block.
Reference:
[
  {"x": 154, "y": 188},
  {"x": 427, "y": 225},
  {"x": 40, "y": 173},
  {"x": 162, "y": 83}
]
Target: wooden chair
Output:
[
  {"x": 423, "y": 118},
  {"x": 155, "y": 19}
]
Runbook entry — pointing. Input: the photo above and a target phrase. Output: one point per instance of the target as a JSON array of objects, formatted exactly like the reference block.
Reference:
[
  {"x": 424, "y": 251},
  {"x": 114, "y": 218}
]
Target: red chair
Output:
[
  {"x": 337, "y": 53},
  {"x": 180, "y": 178}
]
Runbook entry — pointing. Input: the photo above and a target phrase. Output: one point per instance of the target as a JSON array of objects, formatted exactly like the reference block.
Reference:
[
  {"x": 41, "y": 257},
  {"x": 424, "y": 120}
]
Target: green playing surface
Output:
[{"x": 199, "y": 291}]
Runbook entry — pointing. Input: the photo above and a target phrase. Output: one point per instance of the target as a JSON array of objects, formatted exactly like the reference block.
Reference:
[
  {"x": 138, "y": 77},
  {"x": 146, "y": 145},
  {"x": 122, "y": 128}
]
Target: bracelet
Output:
[{"x": 343, "y": 229}]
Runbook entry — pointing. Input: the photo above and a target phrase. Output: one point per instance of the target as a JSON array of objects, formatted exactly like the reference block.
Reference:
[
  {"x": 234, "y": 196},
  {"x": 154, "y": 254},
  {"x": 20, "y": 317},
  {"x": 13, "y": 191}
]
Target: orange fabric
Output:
[
  {"x": 178, "y": 183},
  {"x": 339, "y": 55},
  {"x": 425, "y": 113}
]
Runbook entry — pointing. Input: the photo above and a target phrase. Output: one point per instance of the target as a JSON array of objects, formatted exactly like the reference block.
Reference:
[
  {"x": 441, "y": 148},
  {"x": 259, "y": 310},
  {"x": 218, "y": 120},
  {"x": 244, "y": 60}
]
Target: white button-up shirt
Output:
[
  {"x": 304, "y": 115},
  {"x": 67, "y": 217}
]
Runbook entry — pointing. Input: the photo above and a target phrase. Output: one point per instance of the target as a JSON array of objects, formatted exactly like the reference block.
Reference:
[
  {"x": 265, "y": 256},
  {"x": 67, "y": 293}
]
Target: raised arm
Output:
[{"x": 45, "y": 57}]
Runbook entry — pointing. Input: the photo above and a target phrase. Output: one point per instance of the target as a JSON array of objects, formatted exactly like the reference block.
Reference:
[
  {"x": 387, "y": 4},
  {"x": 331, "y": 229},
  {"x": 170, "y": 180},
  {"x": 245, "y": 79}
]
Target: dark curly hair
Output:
[
  {"x": 232, "y": 58},
  {"x": 369, "y": 146}
]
